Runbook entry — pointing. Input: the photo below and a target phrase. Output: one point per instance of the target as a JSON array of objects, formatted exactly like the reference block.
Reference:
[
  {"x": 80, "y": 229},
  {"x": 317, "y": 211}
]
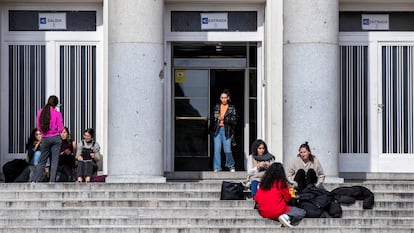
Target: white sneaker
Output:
[
  {"x": 232, "y": 169},
  {"x": 284, "y": 219},
  {"x": 216, "y": 170}
]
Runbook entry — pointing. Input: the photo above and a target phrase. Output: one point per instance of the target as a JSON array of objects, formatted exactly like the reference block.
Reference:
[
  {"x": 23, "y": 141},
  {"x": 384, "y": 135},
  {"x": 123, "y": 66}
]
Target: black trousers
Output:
[
  {"x": 305, "y": 178},
  {"x": 85, "y": 168}
]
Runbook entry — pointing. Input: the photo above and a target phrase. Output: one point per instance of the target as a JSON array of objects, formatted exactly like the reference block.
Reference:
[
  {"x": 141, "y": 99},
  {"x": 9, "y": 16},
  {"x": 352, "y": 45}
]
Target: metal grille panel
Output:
[
  {"x": 78, "y": 87},
  {"x": 354, "y": 91},
  {"x": 26, "y": 92},
  {"x": 397, "y": 99}
]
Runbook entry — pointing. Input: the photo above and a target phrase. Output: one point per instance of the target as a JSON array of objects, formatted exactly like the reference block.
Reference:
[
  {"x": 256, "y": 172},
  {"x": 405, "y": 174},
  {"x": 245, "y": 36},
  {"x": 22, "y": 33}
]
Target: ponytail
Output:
[{"x": 45, "y": 114}]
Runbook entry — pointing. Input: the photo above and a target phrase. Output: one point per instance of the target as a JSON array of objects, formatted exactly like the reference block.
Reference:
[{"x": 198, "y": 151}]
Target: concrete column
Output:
[
  {"x": 311, "y": 81},
  {"x": 135, "y": 87},
  {"x": 273, "y": 83}
]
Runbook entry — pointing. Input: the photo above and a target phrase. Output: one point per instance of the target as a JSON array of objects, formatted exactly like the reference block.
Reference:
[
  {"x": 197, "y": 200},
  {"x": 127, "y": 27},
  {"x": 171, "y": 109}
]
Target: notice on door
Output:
[
  {"x": 180, "y": 76},
  {"x": 52, "y": 21}
]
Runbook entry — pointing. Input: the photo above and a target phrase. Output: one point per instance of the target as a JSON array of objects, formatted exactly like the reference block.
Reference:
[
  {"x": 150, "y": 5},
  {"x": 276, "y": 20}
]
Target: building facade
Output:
[{"x": 146, "y": 74}]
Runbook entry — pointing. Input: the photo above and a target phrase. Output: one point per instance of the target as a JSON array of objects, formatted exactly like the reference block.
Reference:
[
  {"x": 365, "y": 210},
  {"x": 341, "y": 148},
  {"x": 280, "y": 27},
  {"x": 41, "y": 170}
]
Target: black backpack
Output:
[
  {"x": 86, "y": 155},
  {"x": 13, "y": 169},
  {"x": 87, "y": 151}
]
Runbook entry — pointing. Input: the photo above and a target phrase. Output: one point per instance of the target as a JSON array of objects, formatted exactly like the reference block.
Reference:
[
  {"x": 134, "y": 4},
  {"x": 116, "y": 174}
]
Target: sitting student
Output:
[
  {"x": 305, "y": 170},
  {"x": 33, "y": 157},
  {"x": 87, "y": 155},
  {"x": 66, "y": 157},
  {"x": 273, "y": 195},
  {"x": 258, "y": 161}
]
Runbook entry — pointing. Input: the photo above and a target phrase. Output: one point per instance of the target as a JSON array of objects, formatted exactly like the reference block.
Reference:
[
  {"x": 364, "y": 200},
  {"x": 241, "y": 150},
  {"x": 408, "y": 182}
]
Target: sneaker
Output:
[
  {"x": 216, "y": 170},
  {"x": 284, "y": 219},
  {"x": 232, "y": 169}
]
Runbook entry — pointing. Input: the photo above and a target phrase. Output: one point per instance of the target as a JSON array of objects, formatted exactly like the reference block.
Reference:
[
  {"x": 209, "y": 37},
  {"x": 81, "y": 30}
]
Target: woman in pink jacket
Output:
[{"x": 50, "y": 123}]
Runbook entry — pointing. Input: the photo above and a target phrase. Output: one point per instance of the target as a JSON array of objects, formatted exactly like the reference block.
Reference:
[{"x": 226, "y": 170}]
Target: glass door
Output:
[
  {"x": 191, "y": 106},
  {"x": 195, "y": 94}
]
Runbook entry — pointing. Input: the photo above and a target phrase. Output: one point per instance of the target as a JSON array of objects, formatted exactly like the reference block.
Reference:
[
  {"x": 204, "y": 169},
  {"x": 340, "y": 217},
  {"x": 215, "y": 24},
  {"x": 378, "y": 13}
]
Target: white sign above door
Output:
[
  {"x": 52, "y": 21},
  {"x": 375, "y": 22},
  {"x": 211, "y": 21}
]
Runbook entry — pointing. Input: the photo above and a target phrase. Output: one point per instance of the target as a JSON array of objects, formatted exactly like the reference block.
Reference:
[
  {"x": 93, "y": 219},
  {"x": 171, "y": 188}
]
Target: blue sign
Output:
[{"x": 43, "y": 20}]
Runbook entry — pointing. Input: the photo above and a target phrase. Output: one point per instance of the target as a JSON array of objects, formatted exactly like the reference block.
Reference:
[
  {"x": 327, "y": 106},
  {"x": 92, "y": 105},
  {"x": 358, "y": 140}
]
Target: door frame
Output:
[
  {"x": 170, "y": 37},
  {"x": 375, "y": 160},
  {"x": 170, "y": 115},
  {"x": 52, "y": 40}
]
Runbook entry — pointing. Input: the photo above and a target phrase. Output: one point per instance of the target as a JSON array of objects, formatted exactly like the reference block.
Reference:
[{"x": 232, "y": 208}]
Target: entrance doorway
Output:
[
  {"x": 377, "y": 102},
  {"x": 233, "y": 80},
  {"x": 198, "y": 80},
  {"x": 37, "y": 63}
]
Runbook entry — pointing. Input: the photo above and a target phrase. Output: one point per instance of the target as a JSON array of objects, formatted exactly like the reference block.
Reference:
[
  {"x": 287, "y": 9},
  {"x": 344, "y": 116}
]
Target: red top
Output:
[{"x": 272, "y": 203}]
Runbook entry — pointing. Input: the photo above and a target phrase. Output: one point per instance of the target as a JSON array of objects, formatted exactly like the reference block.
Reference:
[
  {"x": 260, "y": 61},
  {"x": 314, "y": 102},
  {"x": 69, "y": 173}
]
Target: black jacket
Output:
[
  {"x": 315, "y": 201},
  {"x": 348, "y": 195},
  {"x": 230, "y": 120}
]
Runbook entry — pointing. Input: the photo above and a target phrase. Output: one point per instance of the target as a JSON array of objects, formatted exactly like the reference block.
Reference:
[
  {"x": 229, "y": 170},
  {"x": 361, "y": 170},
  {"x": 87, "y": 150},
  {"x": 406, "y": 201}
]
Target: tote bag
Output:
[{"x": 232, "y": 191}]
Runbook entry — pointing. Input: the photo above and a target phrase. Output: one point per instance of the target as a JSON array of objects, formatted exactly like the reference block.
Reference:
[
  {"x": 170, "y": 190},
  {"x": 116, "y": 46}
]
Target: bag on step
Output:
[
  {"x": 232, "y": 191},
  {"x": 13, "y": 169}
]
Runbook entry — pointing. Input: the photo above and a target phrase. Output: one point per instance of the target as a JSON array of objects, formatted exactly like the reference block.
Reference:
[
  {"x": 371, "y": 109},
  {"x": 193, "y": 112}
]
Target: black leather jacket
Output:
[{"x": 230, "y": 120}]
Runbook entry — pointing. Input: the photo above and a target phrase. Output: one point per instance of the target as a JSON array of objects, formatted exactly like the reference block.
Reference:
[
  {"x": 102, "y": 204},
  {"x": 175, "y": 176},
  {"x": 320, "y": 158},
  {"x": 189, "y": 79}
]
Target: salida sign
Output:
[{"x": 52, "y": 21}]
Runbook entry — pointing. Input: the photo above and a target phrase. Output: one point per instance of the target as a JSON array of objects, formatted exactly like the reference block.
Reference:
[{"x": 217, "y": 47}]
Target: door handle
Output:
[
  {"x": 380, "y": 108},
  {"x": 192, "y": 118}
]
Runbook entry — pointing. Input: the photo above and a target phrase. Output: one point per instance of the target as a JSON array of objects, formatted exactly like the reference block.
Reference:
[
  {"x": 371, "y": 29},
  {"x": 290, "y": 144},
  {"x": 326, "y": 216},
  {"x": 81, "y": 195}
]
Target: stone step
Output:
[
  {"x": 203, "y": 229},
  {"x": 210, "y": 185},
  {"x": 172, "y": 212},
  {"x": 213, "y": 221},
  {"x": 155, "y": 194},
  {"x": 173, "y": 203},
  {"x": 183, "y": 207}
]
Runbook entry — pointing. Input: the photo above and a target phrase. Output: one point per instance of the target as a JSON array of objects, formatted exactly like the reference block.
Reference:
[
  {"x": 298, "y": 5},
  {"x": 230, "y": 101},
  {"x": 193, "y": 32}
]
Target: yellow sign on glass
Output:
[{"x": 180, "y": 76}]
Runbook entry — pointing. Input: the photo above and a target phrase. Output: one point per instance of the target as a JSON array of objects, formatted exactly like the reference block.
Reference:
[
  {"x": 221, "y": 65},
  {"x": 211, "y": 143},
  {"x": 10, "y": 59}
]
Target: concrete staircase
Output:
[{"x": 184, "y": 206}]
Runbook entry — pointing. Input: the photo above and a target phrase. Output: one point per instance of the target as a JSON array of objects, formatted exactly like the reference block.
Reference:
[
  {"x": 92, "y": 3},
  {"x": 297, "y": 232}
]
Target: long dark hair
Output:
[
  {"x": 45, "y": 115},
  {"x": 31, "y": 139},
  {"x": 306, "y": 146},
  {"x": 69, "y": 139},
  {"x": 256, "y": 145},
  {"x": 274, "y": 174}
]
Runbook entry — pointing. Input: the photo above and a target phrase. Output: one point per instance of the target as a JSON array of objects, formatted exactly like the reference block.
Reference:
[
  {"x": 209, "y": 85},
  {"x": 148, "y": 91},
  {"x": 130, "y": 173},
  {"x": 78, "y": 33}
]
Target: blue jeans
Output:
[
  {"x": 253, "y": 187},
  {"x": 296, "y": 214},
  {"x": 219, "y": 140},
  {"x": 36, "y": 159},
  {"x": 50, "y": 147}
]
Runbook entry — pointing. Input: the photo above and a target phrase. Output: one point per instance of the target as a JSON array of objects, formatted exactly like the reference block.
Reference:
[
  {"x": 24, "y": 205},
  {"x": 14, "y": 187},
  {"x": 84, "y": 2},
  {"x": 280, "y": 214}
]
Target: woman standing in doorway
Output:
[
  {"x": 225, "y": 118},
  {"x": 50, "y": 123}
]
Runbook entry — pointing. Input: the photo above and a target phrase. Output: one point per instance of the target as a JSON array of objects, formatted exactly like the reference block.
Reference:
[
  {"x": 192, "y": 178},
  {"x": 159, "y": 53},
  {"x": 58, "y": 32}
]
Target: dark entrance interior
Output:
[
  {"x": 200, "y": 71},
  {"x": 232, "y": 80}
]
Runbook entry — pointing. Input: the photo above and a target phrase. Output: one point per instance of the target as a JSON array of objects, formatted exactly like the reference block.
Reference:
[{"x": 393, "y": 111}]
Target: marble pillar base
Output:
[
  {"x": 334, "y": 180},
  {"x": 135, "y": 179}
]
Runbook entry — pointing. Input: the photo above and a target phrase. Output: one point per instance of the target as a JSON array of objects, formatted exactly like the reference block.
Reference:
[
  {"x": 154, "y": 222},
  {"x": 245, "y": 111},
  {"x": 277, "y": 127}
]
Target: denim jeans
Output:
[
  {"x": 253, "y": 187},
  {"x": 50, "y": 147},
  {"x": 219, "y": 140},
  {"x": 296, "y": 214}
]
